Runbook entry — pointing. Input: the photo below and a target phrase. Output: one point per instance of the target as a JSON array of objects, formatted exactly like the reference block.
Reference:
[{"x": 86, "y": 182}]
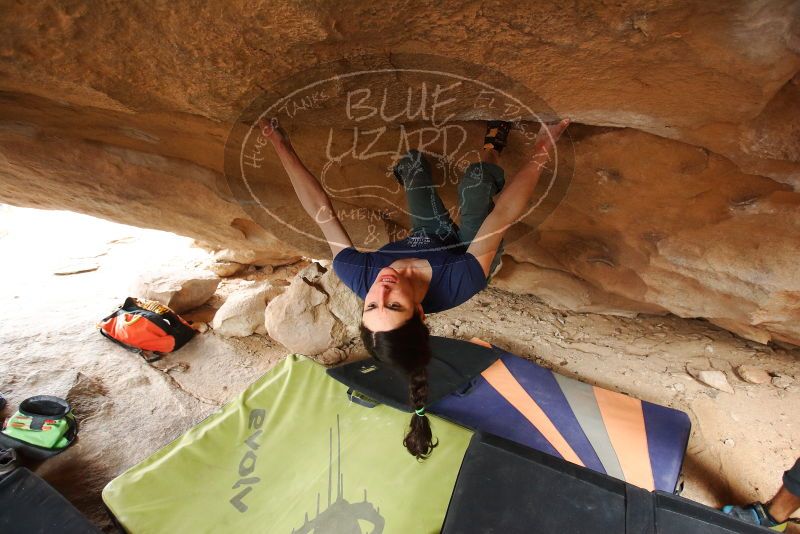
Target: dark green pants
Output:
[
  {"x": 480, "y": 183},
  {"x": 791, "y": 479}
]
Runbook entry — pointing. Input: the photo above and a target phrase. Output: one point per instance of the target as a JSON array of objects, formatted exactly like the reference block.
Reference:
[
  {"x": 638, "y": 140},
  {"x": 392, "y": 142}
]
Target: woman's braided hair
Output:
[{"x": 407, "y": 348}]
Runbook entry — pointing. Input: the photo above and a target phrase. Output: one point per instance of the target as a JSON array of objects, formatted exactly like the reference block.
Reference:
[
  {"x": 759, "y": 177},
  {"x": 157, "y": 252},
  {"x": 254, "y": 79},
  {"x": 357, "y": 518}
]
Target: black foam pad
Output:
[
  {"x": 506, "y": 487},
  {"x": 30, "y": 505},
  {"x": 676, "y": 515},
  {"x": 454, "y": 364}
]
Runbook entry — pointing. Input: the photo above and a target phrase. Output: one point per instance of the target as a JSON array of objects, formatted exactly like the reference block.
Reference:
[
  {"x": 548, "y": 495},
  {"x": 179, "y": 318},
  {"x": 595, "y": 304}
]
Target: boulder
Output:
[
  {"x": 715, "y": 379},
  {"x": 77, "y": 266},
  {"x": 180, "y": 290},
  {"x": 753, "y": 374},
  {"x": 242, "y": 314},
  {"x": 342, "y": 302},
  {"x": 304, "y": 318},
  {"x": 251, "y": 256},
  {"x": 782, "y": 381},
  {"x": 225, "y": 269}
]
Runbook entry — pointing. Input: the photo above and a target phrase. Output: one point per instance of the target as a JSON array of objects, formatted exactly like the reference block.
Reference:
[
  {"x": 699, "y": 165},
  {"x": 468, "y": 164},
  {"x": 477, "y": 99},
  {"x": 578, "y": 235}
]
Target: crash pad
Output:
[
  {"x": 630, "y": 439},
  {"x": 29, "y": 505},
  {"x": 453, "y": 365},
  {"x": 509, "y": 488},
  {"x": 291, "y": 454}
]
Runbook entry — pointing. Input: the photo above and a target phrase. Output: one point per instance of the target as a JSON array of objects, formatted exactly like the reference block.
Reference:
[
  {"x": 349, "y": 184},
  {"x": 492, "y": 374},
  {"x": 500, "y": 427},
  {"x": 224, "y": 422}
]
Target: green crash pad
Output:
[{"x": 292, "y": 454}]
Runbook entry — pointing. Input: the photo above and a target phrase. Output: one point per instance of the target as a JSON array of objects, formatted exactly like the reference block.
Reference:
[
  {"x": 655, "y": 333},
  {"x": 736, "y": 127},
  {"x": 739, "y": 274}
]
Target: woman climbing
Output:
[{"x": 439, "y": 266}]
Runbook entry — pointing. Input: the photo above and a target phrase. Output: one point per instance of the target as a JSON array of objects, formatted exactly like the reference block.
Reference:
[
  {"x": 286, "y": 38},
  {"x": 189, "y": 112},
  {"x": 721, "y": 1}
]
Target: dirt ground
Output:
[{"x": 739, "y": 446}]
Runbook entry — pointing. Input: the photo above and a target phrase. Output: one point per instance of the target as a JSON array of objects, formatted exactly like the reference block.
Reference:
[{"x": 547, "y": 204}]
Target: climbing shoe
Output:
[
  {"x": 755, "y": 514},
  {"x": 42, "y": 427},
  {"x": 497, "y": 135}
]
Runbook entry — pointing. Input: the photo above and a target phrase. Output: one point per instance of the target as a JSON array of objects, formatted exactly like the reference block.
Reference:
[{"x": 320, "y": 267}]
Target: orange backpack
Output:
[{"x": 146, "y": 326}]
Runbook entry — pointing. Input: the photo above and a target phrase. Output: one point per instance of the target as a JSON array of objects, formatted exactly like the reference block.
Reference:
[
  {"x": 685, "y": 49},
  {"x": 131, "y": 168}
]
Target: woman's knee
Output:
[{"x": 484, "y": 172}]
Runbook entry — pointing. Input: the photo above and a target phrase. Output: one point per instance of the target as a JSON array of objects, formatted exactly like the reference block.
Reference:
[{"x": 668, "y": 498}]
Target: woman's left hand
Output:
[
  {"x": 271, "y": 129},
  {"x": 547, "y": 137}
]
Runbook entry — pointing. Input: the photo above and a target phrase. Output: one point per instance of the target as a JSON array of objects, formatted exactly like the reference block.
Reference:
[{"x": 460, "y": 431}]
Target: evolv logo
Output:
[{"x": 248, "y": 462}]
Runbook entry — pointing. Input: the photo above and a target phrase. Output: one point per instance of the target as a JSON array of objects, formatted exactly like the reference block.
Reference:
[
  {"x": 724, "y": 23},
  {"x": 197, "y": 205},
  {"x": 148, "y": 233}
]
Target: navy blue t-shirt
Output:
[{"x": 456, "y": 277}]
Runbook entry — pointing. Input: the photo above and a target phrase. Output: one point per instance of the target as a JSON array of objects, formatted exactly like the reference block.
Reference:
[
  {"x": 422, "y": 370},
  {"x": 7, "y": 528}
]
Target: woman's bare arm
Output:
[
  {"x": 512, "y": 202},
  {"x": 308, "y": 189}
]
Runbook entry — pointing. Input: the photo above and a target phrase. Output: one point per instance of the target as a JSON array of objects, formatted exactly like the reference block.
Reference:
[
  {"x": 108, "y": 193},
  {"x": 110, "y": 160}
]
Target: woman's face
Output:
[{"x": 389, "y": 302}]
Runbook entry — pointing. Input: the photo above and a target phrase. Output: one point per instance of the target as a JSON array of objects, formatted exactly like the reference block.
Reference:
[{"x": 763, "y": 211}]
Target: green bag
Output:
[{"x": 42, "y": 427}]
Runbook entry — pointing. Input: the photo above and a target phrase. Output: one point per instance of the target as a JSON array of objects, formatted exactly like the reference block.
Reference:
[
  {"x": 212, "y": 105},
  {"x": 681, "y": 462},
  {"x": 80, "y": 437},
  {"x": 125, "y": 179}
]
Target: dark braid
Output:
[
  {"x": 419, "y": 440},
  {"x": 407, "y": 348}
]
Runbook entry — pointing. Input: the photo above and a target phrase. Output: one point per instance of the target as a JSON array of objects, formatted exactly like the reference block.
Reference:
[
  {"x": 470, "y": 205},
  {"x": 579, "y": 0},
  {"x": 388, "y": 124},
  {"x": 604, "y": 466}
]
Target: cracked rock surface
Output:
[{"x": 686, "y": 121}]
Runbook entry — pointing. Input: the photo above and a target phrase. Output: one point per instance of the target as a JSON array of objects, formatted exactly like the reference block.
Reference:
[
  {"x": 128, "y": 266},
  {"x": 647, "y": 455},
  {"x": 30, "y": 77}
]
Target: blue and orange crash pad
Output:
[{"x": 494, "y": 391}]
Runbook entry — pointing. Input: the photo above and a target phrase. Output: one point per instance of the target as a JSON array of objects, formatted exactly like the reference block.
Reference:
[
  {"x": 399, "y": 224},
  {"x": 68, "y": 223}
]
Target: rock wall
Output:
[{"x": 687, "y": 137}]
